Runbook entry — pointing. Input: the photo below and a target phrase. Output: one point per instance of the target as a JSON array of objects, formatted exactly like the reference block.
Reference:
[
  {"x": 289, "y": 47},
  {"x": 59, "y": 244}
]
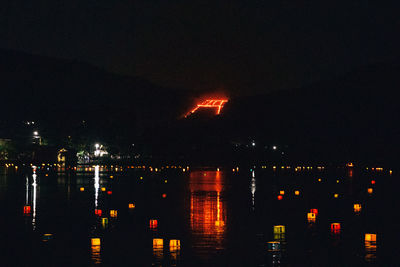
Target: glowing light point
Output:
[{"x": 210, "y": 103}]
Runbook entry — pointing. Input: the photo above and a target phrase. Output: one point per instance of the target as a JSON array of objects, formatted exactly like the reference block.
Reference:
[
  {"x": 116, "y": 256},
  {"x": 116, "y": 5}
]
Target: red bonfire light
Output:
[{"x": 210, "y": 103}]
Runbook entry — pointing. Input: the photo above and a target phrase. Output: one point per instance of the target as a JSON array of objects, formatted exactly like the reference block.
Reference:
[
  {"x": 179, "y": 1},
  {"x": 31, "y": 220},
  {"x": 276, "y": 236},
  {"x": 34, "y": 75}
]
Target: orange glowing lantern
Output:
[
  {"x": 103, "y": 189},
  {"x": 153, "y": 224},
  {"x": 315, "y": 211},
  {"x": 311, "y": 217},
  {"x": 335, "y": 228},
  {"x": 27, "y": 209},
  {"x": 96, "y": 242},
  {"x": 370, "y": 237},
  {"x": 113, "y": 213},
  {"x": 297, "y": 192},
  {"x": 131, "y": 205},
  {"x": 370, "y": 190},
  {"x": 158, "y": 243},
  {"x": 282, "y": 192},
  {"x": 97, "y": 212},
  {"x": 174, "y": 245},
  {"x": 82, "y": 189},
  {"x": 357, "y": 207},
  {"x": 280, "y": 197}
]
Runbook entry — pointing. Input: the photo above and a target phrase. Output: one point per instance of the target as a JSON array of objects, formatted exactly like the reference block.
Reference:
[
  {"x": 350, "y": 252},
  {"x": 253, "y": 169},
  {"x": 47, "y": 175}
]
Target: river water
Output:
[{"x": 252, "y": 216}]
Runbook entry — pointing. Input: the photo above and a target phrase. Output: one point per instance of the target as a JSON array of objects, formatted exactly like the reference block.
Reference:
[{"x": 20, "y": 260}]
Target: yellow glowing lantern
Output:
[
  {"x": 174, "y": 245},
  {"x": 103, "y": 189},
  {"x": 370, "y": 237},
  {"x": 111, "y": 176},
  {"x": 297, "y": 192},
  {"x": 311, "y": 217},
  {"x": 82, "y": 189},
  {"x": 131, "y": 205},
  {"x": 279, "y": 229},
  {"x": 158, "y": 243},
  {"x": 319, "y": 180},
  {"x": 96, "y": 241},
  {"x": 370, "y": 190},
  {"x": 113, "y": 213},
  {"x": 282, "y": 192},
  {"x": 357, "y": 207},
  {"x": 336, "y": 195},
  {"x": 104, "y": 222},
  {"x": 390, "y": 172}
]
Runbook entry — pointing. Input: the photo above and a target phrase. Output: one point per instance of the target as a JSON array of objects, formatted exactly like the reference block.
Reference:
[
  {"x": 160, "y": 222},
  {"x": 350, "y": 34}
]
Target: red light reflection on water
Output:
[{"x": 207, "y": 211}]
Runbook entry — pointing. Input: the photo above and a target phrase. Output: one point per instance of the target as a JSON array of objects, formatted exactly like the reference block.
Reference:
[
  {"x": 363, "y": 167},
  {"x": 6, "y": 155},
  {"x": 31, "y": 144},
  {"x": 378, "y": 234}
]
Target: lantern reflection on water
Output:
[
  {"x": 274, "y": 246},
  {"x": 95, "y": 253},
  {"x": 158, "y": 248},
  {"x": 370, "y": 247},
  {"x": 207, "y": 210}
]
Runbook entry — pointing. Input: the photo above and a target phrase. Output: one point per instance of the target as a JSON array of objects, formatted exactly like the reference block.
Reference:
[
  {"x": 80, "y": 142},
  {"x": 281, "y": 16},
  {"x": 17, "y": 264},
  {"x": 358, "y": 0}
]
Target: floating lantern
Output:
[
  {"x": 153, "y": 224},
  {"x": 112, "y": 176},
  {"x": 282, "y": 192},
  {"x": 311, "y": 217},
  {"x": 104, "y": 222},
  {"x": 319, "y": 180},
  {"x": 174, "y": 245},
  {"x": 164, "y": 195},
  {"x": 103, "y": 189},
  {"x": 280, "y": 197},
  {"x": 297, "y": 192},
  {"x": 27, "y": 209},
  {"x": 113, "y": 213},
  {"x": 370, "y": 237},
  {"x": 109, "y": 192},
  {"x": 131, "y": 205},
  {"x": 315, "y": 211},
  {"x": 335, "y": 228},
  {"x": 373, "y": 182},
  {"x": 82, "y": 189},
  {"x": 357, "y": 207},
  {"x": 97, "y": 212},
  {"x": 337, "y": 181},
  {"x": 370, "y": 190},
  {"x": 335, "y": 195},
  {"x": 158, "y": 243},
  {"x": 47, "y": 237},
  {"x": 390, "y": 172},
  {"x": 96, "y": 241},
  {"x": 279, "y": 229},
  {"x": 165, "y": 181},
  {"x": 274, "y": 246}
]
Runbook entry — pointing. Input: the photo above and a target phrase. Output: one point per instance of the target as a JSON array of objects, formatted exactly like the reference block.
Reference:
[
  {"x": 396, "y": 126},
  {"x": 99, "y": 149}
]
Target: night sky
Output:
[{"x": 243, "y": 47}]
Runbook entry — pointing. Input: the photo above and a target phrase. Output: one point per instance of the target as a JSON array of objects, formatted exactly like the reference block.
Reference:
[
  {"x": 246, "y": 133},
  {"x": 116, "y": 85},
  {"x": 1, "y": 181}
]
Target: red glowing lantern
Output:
[
  {"x": 373, "y": 182},
  {"x": 27, "y": 209},
  {"x": 315, "y": 211},
  {"x": 109, "y": 192},
  {"x": 280, "y": 197},
  {"x": 97, "y": 212},
  {"x": 335, "y": 228},
  {"x": 164, "y": 195},
  {"x": 153, "y": 224}
]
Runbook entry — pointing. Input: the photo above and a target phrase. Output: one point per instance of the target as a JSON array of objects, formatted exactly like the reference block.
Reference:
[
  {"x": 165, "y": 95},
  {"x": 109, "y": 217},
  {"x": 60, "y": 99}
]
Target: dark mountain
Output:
[
  {"x": 353, "y": 117},
  {"x": 65, "y": 94}
]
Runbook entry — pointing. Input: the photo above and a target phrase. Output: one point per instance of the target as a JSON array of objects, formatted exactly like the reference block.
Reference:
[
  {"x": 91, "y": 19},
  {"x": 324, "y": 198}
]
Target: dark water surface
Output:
[{"x": 199, "y": 217}]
